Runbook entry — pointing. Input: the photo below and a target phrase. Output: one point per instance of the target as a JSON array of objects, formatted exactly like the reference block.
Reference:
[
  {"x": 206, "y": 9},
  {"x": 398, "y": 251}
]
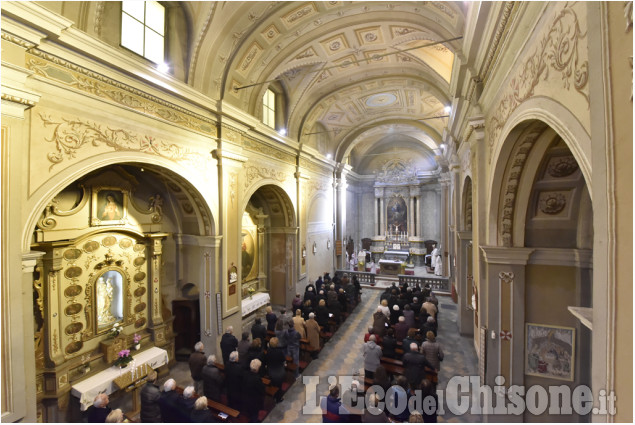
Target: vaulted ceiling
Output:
[{"x": 356, "y": 75}]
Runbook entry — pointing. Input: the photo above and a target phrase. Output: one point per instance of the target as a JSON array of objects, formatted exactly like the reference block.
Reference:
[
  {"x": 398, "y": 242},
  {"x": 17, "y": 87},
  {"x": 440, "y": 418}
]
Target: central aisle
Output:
[{"x": 342, "y": 355}]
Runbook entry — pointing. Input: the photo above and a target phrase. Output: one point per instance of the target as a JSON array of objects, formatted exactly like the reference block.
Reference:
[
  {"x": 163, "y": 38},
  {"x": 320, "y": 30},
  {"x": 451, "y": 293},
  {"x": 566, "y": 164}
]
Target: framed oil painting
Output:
[
  {"x": 109, "y": 206},
  {"x": 549, "y": 351},
  {"x": 249, "y": 255}
]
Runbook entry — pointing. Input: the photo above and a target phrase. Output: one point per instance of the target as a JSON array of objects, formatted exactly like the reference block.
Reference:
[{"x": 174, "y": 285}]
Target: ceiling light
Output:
[
  {"x": 163, "y": 67},
  {"x": 282, "y": 131},
  {"x": 328, "y": 156},
  {"x": 447, "y": 109}
]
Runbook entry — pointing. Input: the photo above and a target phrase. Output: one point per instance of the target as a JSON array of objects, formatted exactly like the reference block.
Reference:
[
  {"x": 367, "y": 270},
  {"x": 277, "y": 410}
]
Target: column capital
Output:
[{"x": 379, "y": 192}]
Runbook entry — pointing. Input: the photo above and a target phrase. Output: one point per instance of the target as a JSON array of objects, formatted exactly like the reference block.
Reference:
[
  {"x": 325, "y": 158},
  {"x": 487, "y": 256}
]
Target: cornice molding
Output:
[{"x": 506, "y": 255}]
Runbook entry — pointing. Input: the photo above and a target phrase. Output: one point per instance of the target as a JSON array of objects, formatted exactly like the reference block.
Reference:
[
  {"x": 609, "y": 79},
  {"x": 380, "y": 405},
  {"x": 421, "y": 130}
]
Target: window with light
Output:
[
  {"x": 143, "y": 29},
  {"x": 269, "y": 108}
]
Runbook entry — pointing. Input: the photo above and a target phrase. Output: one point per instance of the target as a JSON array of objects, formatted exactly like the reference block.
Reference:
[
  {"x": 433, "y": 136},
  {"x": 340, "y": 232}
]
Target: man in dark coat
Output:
[
  {"x": 234, "y": 378},
  {"x": 150, "y": 395},
  {"x": 98, "y": 412},
  {"x": 258, "y": 330},
  {"x": 243, "y": 349},
  {"x": 167, "y": 402},
  {"x": 213, "y": 380},
  {"x": 185, "y": 404},
  {"x": 197, "y": 361},
  {"x": 253, "y": 391},
  {"x": 415, "y": 365},
  {"x": 228, "y": 343}
]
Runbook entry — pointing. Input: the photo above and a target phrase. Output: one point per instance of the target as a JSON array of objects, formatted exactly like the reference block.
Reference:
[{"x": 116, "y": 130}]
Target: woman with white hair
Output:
[
  {"x": 115, "y": 417},
  {"x": 201, "y": 413},
  {"x": 253, "y": 391},
  {"x": 233, "y": 377}
]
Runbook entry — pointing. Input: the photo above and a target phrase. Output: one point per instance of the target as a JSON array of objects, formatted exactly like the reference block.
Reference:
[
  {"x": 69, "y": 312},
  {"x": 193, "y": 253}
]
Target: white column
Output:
[
  {"x": 411, "y": 216},
  {"x": 378, "y": 229},
  {"x": 445, "y": 185}
]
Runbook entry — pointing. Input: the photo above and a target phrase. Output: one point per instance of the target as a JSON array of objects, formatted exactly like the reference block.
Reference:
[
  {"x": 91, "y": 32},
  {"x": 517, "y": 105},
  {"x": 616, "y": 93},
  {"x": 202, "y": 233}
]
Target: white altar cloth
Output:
[
  {"x": 256, "y": 301},
  {"x": 87, "y": 389}
]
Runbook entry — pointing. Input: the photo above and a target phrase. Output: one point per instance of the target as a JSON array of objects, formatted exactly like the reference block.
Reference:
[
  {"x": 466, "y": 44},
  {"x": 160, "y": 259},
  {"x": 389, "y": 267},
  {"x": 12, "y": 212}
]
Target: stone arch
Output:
[
  {"x": 273, "y": 230},
  {"x": 204, "y": 200}
]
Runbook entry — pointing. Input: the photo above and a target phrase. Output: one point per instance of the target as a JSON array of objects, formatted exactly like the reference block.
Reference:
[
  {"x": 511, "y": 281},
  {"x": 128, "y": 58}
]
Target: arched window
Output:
[{"x": 143, "y": 29}]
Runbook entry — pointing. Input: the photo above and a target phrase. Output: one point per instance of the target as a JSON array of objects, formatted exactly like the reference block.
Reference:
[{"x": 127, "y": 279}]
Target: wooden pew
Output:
[{"x": 216, "y": 406}]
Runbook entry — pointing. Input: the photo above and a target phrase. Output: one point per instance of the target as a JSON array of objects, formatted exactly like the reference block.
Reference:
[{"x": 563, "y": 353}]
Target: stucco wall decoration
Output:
[
  {"x": 72, "y": 135},
  {"x": 562, "y": 50}
]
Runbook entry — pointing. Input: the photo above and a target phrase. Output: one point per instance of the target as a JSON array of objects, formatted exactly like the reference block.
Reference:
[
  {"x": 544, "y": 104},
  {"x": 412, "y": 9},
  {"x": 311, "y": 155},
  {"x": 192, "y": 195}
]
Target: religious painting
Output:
[
  {"x": 248, "y": 255},
  {"x": 397, "y": 216},
  {"x": 550, "y": 351},
  {"x": 109, "y": 206}
]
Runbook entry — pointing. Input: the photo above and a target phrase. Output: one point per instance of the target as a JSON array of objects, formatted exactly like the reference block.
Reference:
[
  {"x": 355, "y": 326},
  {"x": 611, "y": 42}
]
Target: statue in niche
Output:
[{"x": 104, "y": 301}]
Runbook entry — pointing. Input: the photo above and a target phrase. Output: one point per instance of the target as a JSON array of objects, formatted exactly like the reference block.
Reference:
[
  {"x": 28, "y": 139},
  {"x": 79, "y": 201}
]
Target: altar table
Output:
[{"x": 103, "y": 382}]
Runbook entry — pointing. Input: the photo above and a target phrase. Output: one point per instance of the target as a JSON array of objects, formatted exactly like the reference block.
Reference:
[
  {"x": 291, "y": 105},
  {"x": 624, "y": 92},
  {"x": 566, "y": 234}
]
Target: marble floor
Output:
[{"x": 342, "y": 356}]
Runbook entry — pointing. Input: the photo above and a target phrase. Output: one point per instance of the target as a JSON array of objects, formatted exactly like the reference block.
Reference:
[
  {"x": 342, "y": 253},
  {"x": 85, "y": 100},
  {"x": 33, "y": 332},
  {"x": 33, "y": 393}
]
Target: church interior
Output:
[{"x": 171, "y": 169}]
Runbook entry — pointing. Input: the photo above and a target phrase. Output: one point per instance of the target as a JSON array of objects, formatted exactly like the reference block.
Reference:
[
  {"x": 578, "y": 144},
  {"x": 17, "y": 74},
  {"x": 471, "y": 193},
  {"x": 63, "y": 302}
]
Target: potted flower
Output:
[
  {"x": 137, "y": 341},
  {"x": 251, "y": 291},
  {"x": 116, "y": 330},
  {"x": 123, "y": 358}
]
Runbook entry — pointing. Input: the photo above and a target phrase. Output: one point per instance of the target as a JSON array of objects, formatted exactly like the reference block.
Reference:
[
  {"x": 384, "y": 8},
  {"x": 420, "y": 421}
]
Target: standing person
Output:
[
  {"x": 213, "y": 380},
  {"x": 234, "y": 377},
  {"x": 258, "y": 330},
  {"x": 243, "y": 349},
  {"x": 98, "y": 412},
  {"x": 167, "y": 402},
  {"x": 293, "y": 347},
  {"x": 276, "y": 363},
  {"x": 197, "y": 361},
  {"x": 332, "y": 408},
  {"x": 380, "y": 322},
  {"x": 313, "y": 335},
  {"x": 431, "y": 400},
  {"x": 401, "y": 328},
  {"x": 409, "y": 315},
  {"x": 256, "y": 352},
  {"x": 281, "y": 334},
  {"x": 415, "y": 365},
  {"x": 228, "y": 343},
  {"x": 372, "y": 356},
  {"x": 433, "y": 351},
  {"x": 150, "y": 395},
  {"x": 298, "y": 324},
  {"x": 389, "y": 344},
  {"x": 253, "y": 391},
  {"x": 322, "y": 314},
  {"x": 271, "y": 319},
  {"x": 296, "y": 303},
  {"x": 185, "y": 404},
  {"x": 201, "y": 413}
]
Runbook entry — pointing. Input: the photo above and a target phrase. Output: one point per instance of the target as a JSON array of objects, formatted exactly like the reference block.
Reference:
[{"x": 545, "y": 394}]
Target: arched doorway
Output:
[
  {"x": 268, "y": 245},
  {"x": 540, "y": 266},
  {"x": 117, "y": 248}
]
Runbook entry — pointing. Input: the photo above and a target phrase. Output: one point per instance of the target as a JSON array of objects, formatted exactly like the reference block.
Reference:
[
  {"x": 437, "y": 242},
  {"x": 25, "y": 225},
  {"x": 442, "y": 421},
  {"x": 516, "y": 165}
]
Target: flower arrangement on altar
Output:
[
  {"x": 251, "y": 291},
  {"x": 137, "y": 340},
  {"x": 123, "y": 358},
  {"x": 116, "y": 330}
]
